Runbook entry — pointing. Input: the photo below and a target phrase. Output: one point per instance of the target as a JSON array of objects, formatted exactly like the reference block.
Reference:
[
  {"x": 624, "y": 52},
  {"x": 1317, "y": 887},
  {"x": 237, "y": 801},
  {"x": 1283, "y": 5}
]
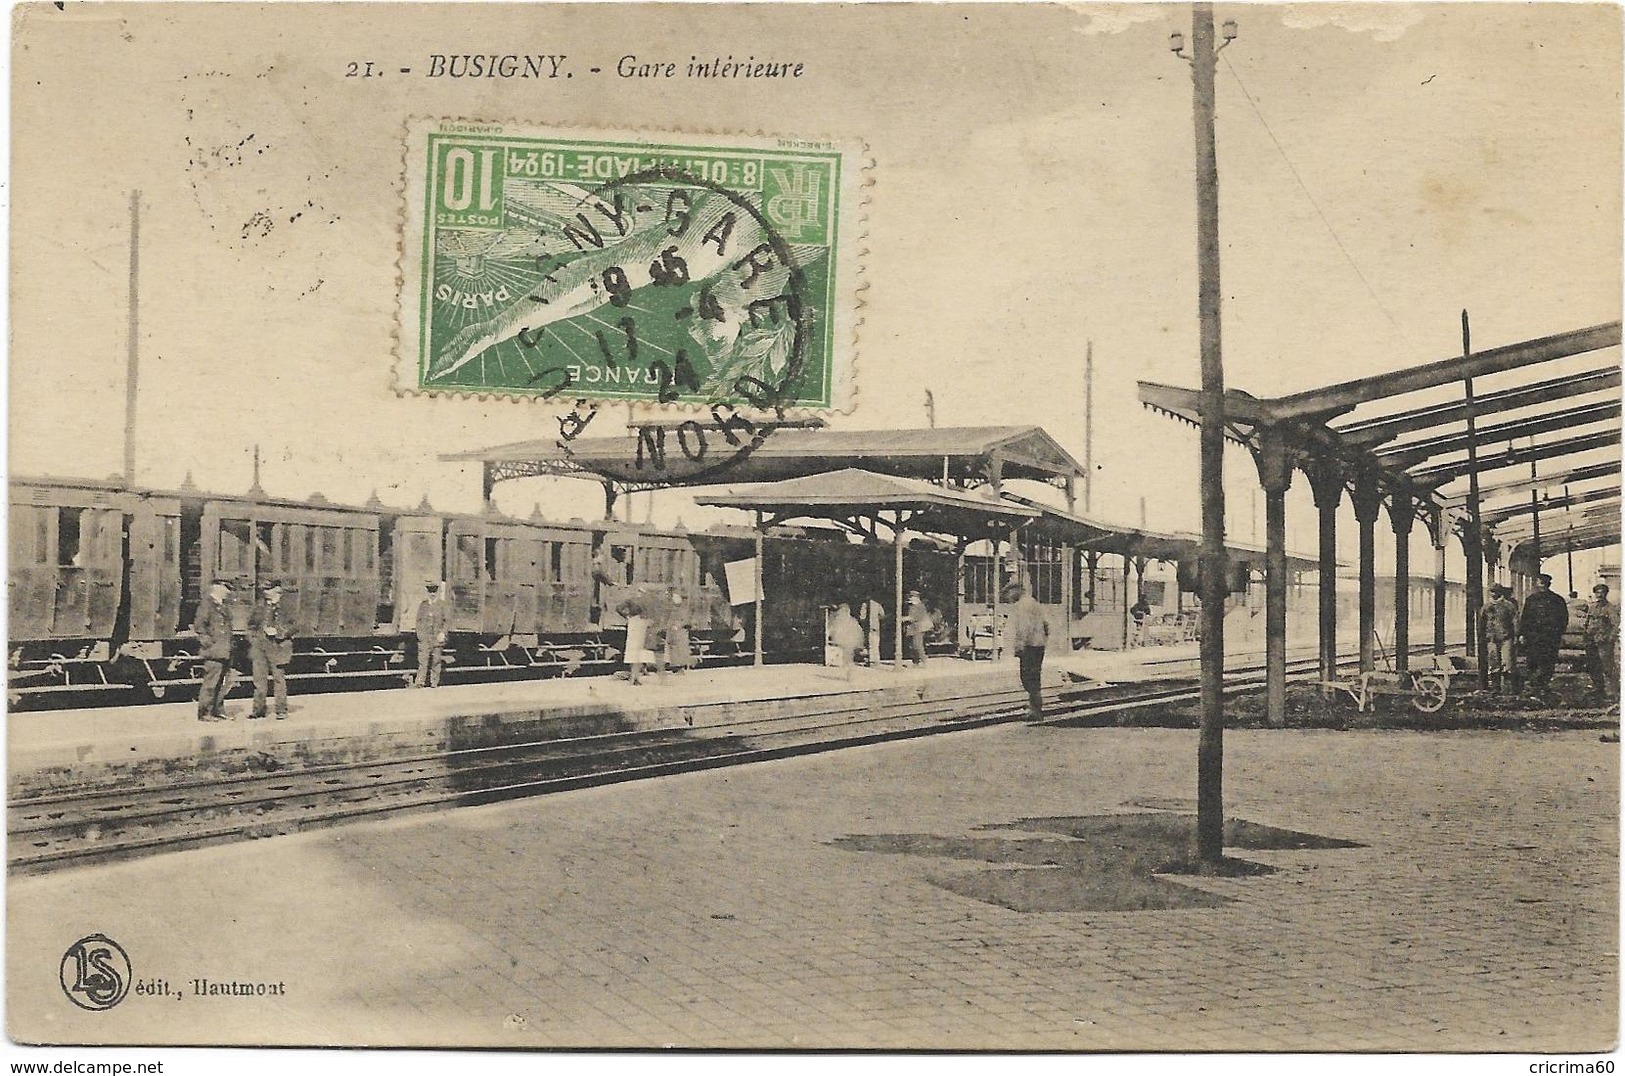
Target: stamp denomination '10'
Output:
[{"x": 650, "y": 268}]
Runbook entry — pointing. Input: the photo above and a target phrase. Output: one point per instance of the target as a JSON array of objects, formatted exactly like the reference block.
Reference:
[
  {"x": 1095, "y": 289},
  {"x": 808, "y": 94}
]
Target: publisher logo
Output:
[{"x": 95, "y": 973}]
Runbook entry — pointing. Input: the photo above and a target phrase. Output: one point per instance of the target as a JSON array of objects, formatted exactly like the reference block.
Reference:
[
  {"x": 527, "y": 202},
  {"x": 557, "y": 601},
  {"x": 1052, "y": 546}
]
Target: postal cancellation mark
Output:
[{"x": 540, "y": 262}]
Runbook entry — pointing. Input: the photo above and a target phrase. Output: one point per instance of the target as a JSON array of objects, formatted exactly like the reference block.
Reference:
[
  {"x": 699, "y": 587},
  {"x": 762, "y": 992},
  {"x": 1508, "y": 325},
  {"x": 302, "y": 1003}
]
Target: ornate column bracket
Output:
[
  {"x": 1276, "y": 458},
  {"x": 1327, "y": 480},
  {"x": 1439, "y": 524},
  {"x": 1401, "y": 514},
  {"x": 1367, "y": 495}
]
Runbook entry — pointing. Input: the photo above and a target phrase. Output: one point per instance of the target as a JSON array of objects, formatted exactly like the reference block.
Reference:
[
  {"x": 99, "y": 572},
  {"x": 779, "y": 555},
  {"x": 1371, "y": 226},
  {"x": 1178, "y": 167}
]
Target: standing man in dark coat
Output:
[
  {"x": 270, "y": 647},
  {"x": 434, "y": 617},
  {"x": 1028, "y": 634},
  {"x": 1541, "y": 625},
  {"x": 212, "y": 625}
]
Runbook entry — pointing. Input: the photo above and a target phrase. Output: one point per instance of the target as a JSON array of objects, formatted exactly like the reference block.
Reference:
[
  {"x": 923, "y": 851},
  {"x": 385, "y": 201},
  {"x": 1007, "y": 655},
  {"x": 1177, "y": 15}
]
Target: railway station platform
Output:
[
  {"x": 848, "y": 900},
  {"x": 75, "y": 746},
  {"x": 119, "y": 745}
]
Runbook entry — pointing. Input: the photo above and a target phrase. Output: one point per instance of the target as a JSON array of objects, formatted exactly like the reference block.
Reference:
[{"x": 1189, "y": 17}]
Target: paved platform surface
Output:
[
  {"x": 162, "y": 730},
  {"x": 57, "y": 738},
  {"x": 716, "y": 909}
]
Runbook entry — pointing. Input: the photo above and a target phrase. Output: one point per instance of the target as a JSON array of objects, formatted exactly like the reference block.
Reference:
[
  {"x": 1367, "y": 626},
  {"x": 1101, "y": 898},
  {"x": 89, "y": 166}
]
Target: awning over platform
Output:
[
  {"x": 1454, "y": 424},
  {"x": 966, "y": 454},
  {"x": 1514, "y": 426},
  {"x": 852, "y": 493}
]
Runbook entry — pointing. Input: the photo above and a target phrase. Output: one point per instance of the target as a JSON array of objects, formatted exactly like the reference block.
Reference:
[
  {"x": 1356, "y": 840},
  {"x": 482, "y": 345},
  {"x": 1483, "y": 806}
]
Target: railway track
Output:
[{"x": 54, "y": 831}]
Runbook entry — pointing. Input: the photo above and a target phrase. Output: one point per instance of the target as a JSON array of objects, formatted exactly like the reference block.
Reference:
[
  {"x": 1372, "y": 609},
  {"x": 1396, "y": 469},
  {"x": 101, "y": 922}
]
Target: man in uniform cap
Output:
[
  {"x": 270, "y": 647},
  {"x": 916, "y": 622},
  {"x": 434, "y": 615},
  {"x": 1499, "y": 622},
  {"x": 212, "y": 625},
  {"x": 1027, "y": 633},
  {"x": 1541, "y": 624},
  {"x": 1602, "y": 644}
]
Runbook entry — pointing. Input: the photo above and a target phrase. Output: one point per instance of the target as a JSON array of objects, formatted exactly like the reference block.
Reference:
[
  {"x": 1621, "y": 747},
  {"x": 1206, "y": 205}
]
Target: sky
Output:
[{"x": 1382, "y": 168}]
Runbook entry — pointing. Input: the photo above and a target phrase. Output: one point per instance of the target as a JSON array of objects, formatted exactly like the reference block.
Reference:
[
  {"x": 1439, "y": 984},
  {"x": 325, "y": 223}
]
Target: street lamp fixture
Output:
[
  {"x": 1176, "y": 45},
  {"x": 1228, "y": 30}
]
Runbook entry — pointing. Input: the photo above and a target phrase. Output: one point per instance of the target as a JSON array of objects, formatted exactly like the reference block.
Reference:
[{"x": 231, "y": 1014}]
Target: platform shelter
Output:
[
  {"x": 862, "y": 501},
  {"x": 1420, "y": 448},
  {"x": 731, "y": 447},
  {"x": 948, "y": 481}
]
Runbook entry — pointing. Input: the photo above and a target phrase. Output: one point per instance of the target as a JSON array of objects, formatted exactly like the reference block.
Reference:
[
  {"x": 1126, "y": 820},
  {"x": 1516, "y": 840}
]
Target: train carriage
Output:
[{"x": 89, "y": 563}]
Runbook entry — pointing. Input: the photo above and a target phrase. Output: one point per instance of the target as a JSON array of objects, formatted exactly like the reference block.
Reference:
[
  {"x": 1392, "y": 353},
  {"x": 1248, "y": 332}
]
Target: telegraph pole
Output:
[
  {"x": 1210, "y": 745},
  {"x": 1569, "y": 548},
  {"x": 1473, "y": 540},
  {"x": 132, "y": 362},
  {"x": 1534, "y": 503},
  {"x": 1088, "y": 424}
]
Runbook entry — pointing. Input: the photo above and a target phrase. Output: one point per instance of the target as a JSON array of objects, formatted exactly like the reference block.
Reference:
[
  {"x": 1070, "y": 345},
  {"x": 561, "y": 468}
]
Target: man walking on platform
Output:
[
  {"x": 1541, "y": 625},
  {"x": 916, "y": 622},
  {"x": 270, "y": 647},
  {"x": 1499, "y": 621},
  {"x": 1602, "y": 645},
  {"x": 1028, "y": 636},
  {"x": 212, "y": 625},
  {"x": 434, "y": 616}
]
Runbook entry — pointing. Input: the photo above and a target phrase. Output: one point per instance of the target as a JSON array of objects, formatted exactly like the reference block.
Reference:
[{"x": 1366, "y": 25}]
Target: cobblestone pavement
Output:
[{"x": 712, "y": 909}]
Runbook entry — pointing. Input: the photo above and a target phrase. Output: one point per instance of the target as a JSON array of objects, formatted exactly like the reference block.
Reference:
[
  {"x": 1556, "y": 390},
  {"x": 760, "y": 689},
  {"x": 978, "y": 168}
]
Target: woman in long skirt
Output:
[
  {"x": 679, "y": 654},
  {"x": 637, "y": 636}
]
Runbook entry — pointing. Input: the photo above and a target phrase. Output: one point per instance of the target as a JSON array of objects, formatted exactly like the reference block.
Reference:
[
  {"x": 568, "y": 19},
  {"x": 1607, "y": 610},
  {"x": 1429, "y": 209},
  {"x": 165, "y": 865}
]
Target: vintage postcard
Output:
[{"x": 611, "y": 527}]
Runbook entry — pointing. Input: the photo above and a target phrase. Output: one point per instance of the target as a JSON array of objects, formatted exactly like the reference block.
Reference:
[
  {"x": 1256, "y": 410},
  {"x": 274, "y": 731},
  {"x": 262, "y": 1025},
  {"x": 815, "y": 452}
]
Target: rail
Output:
[{"x": 54, "y": 831}]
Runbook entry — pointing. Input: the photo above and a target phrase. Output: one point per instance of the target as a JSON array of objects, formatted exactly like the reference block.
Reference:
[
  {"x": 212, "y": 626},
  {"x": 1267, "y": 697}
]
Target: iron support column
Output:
[
  {"x": 1326, "y": 481},
  {"x": 897, "y": 595},
  {"x": 761, "y": 573},
  {"x": 1367, "y": 506},
  {"x": 1127, "y": 564},
  {"x": 998, "y": 585},
  {"x": 1440, "y": 591},
  {"x": 1275, "y": 462},
  {"x": 1473, "y": 550},
  {"x": 1402, "y": 514}
]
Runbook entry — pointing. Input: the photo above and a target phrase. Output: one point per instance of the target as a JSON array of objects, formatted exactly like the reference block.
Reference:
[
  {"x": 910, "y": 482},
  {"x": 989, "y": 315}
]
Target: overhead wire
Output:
[{"x": 1312, "y": 200}]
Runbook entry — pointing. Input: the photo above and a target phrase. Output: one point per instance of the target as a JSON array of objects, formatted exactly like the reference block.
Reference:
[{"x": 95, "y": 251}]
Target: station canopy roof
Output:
[
  {"x": 963, "y": 454},
  {"x": 1550, "y": 405},
  {"x": 1099, "y": 537},
  {"x": 851, "y": 494}
]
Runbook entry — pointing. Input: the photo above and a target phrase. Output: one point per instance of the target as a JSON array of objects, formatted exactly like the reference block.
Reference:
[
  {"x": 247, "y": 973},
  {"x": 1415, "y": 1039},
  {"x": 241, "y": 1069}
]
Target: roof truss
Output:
[
  {"x": 1561, "y": 504},
  {"x": 1380, "y": 430},
  {"x": 1340, "y": 398},
  {"x": 1409, "y": 455},
  {"x": 1446, "y": 472},
  {"x": 1573, "y": 476}
]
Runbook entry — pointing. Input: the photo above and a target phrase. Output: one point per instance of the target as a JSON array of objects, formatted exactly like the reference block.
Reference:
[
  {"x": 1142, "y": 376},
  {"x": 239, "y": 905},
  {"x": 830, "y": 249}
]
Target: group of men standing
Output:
[
  {"x": 270, "y": 648},
  {"x": 1539, "y": 626},
  {"x": 271, "y": 630}
]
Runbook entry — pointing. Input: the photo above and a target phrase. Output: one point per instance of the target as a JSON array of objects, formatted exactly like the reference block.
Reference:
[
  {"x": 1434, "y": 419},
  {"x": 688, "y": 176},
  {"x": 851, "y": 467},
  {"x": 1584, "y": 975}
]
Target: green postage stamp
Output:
[{"x": 635, "y": 266}]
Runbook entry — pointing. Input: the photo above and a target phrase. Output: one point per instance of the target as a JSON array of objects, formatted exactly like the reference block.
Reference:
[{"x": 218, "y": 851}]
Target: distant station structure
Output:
[
  {"x": 1426, "y": 462},
  {"x": 880, "y": 486}
]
